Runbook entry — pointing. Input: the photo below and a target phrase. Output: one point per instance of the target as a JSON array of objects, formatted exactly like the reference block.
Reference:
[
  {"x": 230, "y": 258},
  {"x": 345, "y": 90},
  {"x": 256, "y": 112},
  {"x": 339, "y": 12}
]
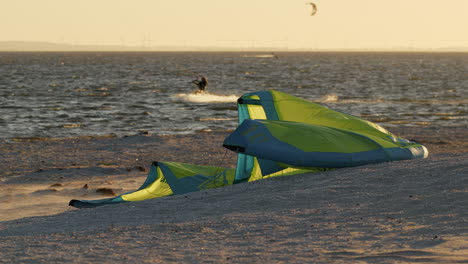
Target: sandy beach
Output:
[{"x": 395, "y": 212}]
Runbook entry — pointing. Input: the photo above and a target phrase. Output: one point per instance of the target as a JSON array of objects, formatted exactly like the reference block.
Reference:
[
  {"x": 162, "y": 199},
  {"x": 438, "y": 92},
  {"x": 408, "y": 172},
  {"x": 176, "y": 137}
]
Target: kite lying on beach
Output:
[{"x": 278, "y": 135}]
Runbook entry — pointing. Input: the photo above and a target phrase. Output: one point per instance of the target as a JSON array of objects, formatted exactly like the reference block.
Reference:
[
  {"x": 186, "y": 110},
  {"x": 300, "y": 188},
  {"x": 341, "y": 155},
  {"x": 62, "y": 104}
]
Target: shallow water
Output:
[{"x": 76, "y": 94}]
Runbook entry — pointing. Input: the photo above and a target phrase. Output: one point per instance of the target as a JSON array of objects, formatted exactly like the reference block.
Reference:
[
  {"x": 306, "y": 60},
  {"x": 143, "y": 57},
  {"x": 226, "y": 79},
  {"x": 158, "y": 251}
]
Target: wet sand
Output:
[{"x": 406, "y": 211}]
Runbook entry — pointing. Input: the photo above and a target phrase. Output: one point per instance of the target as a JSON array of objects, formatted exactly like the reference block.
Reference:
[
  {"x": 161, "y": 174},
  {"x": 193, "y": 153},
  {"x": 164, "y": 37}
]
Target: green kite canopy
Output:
[{"x": 279, "y": 134}]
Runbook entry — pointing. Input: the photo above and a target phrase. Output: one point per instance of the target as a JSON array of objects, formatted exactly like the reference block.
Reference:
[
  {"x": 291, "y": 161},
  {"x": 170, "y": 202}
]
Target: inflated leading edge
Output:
[{"x": 279, "y": 135}]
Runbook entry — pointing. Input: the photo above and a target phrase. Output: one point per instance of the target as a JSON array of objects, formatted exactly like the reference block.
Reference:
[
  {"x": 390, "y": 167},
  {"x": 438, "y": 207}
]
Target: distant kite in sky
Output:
[{"x": 314, "y": 8}]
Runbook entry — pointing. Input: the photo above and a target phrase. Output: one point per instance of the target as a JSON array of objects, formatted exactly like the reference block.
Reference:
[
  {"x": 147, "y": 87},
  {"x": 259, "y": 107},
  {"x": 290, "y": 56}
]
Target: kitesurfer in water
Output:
[{"x": 201, "y": 83}]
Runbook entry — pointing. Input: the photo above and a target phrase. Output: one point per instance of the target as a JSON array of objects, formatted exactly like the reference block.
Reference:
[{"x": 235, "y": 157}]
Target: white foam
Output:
[
  {"x": 329, "y": 98},
  {"x": 206, "y": 98},
  {"x": 218, "y": 118}
]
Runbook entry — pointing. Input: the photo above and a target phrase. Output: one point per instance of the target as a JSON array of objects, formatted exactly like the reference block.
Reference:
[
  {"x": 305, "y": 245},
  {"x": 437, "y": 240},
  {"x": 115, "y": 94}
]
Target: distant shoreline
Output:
[{"x": 32, "y": 46}]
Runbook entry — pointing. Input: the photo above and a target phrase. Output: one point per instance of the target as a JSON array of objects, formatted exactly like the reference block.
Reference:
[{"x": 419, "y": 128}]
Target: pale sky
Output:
[{"x": 363, "y": 24}]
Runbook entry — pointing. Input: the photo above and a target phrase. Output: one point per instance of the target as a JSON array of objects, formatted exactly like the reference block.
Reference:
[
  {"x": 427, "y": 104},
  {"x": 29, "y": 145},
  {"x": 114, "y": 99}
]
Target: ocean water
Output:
[{"x": 86, "y": 94}]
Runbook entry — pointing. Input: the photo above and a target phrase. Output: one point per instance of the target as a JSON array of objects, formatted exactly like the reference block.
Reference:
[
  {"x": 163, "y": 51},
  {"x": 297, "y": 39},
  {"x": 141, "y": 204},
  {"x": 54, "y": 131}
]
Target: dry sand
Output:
[{"x": 406, "y": 211}]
